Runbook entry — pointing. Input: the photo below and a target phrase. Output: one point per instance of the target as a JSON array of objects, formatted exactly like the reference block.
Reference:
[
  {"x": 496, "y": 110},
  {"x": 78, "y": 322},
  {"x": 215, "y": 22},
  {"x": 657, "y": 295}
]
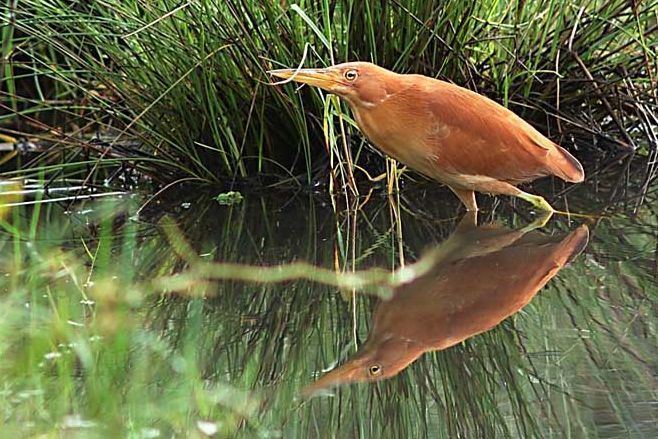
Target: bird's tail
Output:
[
  {"x": 566, "y": 166},
  {"x": 575, "y": 243}
]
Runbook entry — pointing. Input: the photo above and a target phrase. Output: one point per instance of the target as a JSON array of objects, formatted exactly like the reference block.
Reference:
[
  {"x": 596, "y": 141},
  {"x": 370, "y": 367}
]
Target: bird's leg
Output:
[
  {"x": 467, "y": 197},
  {"x": 468, "y": 222}
]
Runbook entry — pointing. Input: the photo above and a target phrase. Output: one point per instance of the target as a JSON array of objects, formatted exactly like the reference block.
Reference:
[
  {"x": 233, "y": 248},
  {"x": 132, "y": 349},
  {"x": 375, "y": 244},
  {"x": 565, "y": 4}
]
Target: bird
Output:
[
  {"x": 478, "y": 277},
  {"x": 446, "y": 132}
]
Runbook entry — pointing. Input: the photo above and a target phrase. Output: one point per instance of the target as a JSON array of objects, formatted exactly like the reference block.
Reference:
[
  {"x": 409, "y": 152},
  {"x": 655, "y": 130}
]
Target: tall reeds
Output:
[{"x": 178, "y": 89}]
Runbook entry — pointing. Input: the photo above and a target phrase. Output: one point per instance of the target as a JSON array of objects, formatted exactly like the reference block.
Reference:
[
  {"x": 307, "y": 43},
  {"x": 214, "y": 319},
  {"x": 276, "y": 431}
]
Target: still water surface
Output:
[{"x": 502, "y": 329}]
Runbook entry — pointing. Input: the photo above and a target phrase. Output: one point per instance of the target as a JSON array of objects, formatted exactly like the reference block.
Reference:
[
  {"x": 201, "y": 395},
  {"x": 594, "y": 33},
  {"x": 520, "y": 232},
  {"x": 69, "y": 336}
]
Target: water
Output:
[{"x": 111, "y": 323}]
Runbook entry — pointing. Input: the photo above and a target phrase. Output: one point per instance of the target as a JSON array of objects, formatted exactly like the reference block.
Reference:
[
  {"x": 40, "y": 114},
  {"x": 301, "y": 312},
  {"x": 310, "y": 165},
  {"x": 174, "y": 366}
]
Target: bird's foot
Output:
[
  {"x": 542, "y": 219},
  {"x": 587, "y": 216},
  {"x": 545, "y": 213},
  {"x": 537, "y": 201}
]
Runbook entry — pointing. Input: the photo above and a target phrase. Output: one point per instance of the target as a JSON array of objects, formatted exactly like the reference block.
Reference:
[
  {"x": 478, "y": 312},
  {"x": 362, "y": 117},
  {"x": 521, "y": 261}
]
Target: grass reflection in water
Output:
[{"x": 88, "y": 343}]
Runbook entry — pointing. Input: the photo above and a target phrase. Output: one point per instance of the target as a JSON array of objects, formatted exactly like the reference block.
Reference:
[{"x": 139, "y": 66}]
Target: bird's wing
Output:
[
  {"x": 474, "y": 135},
  {"x": 461, "y": 298}
]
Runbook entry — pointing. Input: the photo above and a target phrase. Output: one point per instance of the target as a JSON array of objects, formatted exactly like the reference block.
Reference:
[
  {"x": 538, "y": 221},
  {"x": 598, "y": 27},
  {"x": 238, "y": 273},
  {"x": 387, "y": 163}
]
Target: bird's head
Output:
[
  {"x": 374, "y": 362},
  {"x": 359, "y": 83}
]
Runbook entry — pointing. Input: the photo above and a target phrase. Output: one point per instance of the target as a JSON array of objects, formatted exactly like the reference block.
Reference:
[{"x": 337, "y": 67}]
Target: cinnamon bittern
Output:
[
  {"x": 478, "y": 277},
  {"x": 451, "y": 134}
]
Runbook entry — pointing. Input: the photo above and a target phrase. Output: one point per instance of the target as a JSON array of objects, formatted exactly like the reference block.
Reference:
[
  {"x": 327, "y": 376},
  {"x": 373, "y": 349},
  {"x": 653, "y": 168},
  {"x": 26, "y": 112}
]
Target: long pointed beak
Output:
[
  {"x": 349, "y": 372},
  {"x": 322, "y": 78}
]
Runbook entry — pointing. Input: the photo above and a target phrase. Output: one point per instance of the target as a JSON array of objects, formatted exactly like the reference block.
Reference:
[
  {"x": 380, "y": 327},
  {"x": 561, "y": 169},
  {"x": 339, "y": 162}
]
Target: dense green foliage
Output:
[{"x": 187, "y": 82}]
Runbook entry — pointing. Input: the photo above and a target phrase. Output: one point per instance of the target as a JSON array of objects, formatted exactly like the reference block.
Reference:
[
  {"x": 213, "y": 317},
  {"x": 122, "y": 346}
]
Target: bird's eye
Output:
[
  {"x": 375, "y": 370},
  {"x": 351, "y": 75}
]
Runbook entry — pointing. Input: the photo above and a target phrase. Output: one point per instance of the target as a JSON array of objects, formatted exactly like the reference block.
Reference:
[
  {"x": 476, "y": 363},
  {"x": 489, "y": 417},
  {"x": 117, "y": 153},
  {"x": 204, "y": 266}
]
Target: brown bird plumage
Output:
[
  {"x": 479, "y": 277},
  {"x": 444, "y": 131}
]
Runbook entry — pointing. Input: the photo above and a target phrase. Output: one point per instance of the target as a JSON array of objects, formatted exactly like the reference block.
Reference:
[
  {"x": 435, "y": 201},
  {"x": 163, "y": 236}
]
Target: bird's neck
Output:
[
  {"x": 392, "y": 125},
  {"x": 374, "y": 101},
  {"x": 377, "y": 93}
]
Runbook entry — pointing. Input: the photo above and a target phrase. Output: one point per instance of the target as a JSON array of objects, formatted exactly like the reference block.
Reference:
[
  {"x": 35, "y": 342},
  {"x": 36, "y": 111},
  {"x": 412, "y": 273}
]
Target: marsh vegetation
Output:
[{"x": 179, "y": 90}]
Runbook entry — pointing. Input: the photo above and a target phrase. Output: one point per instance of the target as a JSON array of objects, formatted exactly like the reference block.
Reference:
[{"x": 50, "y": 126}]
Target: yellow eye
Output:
[
  {"x": 375, "y": 370},
  {"x": 351, "y": 75}
]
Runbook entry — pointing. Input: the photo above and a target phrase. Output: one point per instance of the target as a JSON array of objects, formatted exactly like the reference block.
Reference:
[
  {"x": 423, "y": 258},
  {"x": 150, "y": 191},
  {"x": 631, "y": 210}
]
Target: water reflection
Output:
[
  {"x": 479, "y": 277},
  {"x": 579, "y": 361}
]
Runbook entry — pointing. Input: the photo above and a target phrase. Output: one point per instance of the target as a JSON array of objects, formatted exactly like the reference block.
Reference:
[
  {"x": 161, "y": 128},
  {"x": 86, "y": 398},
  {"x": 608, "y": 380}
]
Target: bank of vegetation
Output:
[{"x": 176, "y": 89}]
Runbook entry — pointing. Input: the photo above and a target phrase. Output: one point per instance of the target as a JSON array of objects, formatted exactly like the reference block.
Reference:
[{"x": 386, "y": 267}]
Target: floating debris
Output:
[
  {"x": 76, "y": 421},
  {"x": 207, "y": 428},
  {"x": 149, "y": 433},
  {"x": 228, "y": 198},
  {"x": 52, "y": 355}
]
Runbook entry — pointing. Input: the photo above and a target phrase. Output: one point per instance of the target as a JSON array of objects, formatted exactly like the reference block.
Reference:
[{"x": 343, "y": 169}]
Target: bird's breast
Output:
[{"x": 401, "y": 136}]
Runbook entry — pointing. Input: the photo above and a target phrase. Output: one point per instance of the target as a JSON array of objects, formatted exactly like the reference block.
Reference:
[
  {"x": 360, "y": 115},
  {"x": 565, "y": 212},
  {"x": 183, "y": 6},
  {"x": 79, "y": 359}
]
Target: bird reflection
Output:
[{"x": 479, "y": 277}]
